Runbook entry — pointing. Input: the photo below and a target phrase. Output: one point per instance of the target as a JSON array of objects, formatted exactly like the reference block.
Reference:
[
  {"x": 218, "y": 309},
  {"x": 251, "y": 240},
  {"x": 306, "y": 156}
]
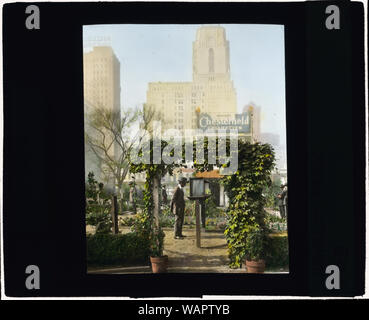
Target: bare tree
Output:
[{"x": 111, "y": 137}]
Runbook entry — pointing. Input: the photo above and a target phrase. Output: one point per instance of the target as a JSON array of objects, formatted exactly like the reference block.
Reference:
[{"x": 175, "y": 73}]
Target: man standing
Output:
[
  {"x": 285, "y": 200},
  {"x": 164, "y": 195},
  {"x": 177, "y": 206},
  {"x": 282, "y": 201},
  {"x": 132, "y": 196}
]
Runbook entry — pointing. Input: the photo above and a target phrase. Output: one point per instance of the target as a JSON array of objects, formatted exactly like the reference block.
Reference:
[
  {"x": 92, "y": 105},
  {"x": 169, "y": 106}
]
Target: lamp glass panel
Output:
[{"x": 197, "y": 187}]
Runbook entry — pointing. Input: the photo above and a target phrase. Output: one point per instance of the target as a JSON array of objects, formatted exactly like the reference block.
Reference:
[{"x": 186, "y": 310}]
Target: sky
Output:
[{"x": 151, "y": 53}]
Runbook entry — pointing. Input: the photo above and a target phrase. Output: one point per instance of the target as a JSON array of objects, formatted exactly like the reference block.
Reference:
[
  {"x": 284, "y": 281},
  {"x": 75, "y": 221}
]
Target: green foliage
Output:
[
  {"x": 211, "y": 209},
  {"x": 189, "y": 210},
  {"x": 145, "y": 224},
  {"x": 98, "y": 205},
  {"x": 245, "y": 191},
  {"x": 256, "y": 244},
  {"x": 272, "y": 219},
  {"x": 271, "y": 193},
  {"x": 276, "y": 252},
  {"x": 165, "y": 212},
  {"x": 244, "y": 188},
  {"x": 167, "y": 221},
  {"x": 116, "y": 249},
  {"x": 123, "y": 206},
  {"x": 125, "y": 191},
  {"x": 127, "y": 221},
  {"x": 157, "y": 242},
  {"x": 101, "y": 221}
]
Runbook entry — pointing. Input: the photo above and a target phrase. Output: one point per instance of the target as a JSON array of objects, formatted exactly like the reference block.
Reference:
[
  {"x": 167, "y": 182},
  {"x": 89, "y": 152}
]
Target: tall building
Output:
[
  {"x": 255, "y": 113},
  {"x": 211, "y": 92},
  {"x": 101, "y": 78},
  {"x": 101, "y": 75}
]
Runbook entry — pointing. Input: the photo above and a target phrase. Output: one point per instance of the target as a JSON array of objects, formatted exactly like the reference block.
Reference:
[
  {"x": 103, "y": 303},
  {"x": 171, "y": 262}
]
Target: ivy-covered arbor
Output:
[
  {"x": 245, "y": 192},
  {"x": 244, "y": 188},
  {"x": 147, "y": 225}
]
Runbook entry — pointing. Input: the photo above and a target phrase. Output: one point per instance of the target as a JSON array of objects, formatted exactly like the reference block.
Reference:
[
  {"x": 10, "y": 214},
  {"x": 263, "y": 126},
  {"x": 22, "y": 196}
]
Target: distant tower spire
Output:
[{"x": 211, "y": 54}]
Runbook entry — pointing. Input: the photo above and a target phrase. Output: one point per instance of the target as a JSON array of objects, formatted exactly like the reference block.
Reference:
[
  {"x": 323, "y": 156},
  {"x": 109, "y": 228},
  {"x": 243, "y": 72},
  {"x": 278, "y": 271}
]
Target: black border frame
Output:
[{"x": 44, "y": 150}]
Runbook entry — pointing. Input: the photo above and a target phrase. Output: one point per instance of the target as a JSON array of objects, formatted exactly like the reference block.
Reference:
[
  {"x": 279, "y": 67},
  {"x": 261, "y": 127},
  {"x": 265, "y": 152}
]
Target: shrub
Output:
[
  {"x": 211, "y": 209},
  {"x": 116, "y": 249},
  {"x": 123, "y": 206},
  {"x": 272, "y": 219},
  {"x": 276, "y": 254},
  {"x": 271, "y": 192},
  {"x": 157, "y": 242},
  {"x": 167, "y": 221},
  {"x": 256, "y": 243},
  {"x": 166, "y": 211},
  {"x": 190, "y": 209},
  {"x": 102, "y": 221},
  {"x": 98, "y": 205},
  {"x": 127, "y": 222}
]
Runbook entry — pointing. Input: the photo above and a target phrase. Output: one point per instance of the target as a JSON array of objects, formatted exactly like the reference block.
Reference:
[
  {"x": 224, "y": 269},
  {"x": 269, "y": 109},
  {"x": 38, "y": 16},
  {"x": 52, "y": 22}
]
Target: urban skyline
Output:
[{"x": 162, "y": 53}]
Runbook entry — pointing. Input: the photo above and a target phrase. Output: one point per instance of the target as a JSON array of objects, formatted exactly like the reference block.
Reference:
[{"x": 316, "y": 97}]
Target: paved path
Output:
[{"x": 184, "y": 256}]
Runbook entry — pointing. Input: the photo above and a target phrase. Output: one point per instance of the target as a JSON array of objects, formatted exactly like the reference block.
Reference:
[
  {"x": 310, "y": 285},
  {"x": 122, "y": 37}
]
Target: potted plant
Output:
[
  {"x": 256, "y": 242},
  {"x": 159, "y": 262}
]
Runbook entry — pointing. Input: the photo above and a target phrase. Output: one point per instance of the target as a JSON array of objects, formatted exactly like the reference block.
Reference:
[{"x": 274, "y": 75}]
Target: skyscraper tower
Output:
[
  {"x": 101, "y": 72},
  {"x": 211, "y": 91},
  {"x": 211, "y": 55},
  {"x": 211, "y": 69}
]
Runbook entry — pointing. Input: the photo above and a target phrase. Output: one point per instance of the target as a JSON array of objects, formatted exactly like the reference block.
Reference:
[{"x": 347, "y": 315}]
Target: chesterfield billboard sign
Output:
[{"x": 241, "y": 122}]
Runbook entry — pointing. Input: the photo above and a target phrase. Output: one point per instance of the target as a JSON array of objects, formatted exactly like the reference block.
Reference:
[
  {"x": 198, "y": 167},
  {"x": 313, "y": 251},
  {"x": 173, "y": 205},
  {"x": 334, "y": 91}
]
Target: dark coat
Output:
[
  {"x": 282, "y": 198},
  {"x": 177, "y": 199},
  {"x": 285, "y": 197}
]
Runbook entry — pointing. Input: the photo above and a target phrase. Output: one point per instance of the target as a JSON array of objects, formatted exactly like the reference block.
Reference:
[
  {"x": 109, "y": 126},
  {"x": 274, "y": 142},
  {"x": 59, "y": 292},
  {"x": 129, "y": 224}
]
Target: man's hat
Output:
[{"x": 183, "y": 180}]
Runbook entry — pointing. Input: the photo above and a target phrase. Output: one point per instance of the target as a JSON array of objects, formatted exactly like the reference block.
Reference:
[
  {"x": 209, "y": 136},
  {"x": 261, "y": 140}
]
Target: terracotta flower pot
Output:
[
  {"x": 255, "y": 266},
  {"x": 159, "y": 264}
]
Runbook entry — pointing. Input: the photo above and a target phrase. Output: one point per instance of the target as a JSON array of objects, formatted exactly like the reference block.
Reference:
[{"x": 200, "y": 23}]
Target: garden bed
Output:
[{"x": 116, "y": 249}]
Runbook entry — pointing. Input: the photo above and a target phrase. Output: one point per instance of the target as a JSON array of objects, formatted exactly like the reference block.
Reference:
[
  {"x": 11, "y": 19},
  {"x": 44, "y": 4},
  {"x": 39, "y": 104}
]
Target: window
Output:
[{"x": 211, "y": 60}]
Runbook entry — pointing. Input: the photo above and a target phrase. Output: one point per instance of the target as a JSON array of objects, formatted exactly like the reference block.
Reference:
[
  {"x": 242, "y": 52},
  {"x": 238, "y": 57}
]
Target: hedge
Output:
[
  {"x": 277, "y": 251},
  {"x": 116, "y": 249}
]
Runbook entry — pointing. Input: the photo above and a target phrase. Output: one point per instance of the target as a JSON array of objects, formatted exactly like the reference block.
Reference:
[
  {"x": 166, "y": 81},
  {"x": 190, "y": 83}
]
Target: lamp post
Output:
[
  {"x": 197, "y": 194},
  {"x": 202, "y": 204}
]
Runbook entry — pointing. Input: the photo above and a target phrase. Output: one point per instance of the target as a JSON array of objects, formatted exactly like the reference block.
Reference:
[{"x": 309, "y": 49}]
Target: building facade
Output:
[
  {"x": 101, "y": 78},
  {"x": 178, "y": 104},
  {"x": 255, "y": 114},
  {"x": 101, "y": 88}
]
